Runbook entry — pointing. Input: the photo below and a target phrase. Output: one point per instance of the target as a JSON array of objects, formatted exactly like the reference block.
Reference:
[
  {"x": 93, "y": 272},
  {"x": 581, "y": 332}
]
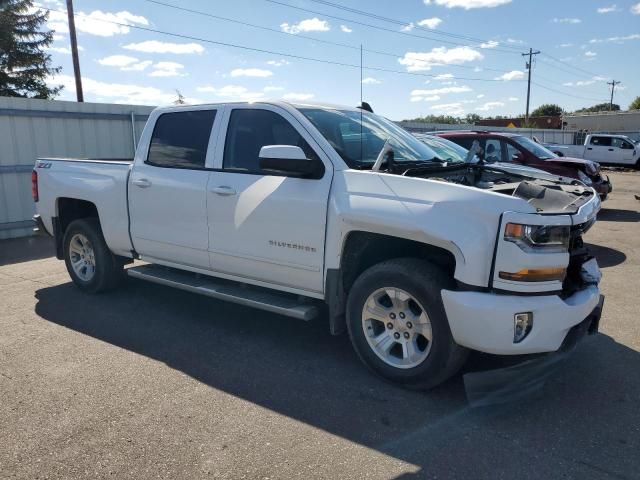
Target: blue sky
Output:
[{"x": 469, "y": 62}]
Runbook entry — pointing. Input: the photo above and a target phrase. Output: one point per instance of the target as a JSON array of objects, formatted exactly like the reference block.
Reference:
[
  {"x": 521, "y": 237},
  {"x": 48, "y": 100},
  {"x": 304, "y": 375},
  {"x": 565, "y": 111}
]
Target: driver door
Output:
[{"x": 266, "y": 228}]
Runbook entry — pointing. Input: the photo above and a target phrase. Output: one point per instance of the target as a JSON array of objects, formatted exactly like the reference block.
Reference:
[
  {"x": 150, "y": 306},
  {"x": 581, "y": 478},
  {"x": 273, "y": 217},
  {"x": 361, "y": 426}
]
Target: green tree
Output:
[
  {"x": 635, "y": 105},
  {"x": 547, "y": 110},
  {"x": 24, "y": 63},
  {"x": 601, "y": 107},
  {"x": 472, "y": 118}
]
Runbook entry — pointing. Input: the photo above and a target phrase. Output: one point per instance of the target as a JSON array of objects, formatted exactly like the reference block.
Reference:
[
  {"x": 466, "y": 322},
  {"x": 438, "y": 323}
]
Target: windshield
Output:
[
  {"x": 358, "y": 137},
  {"x": 535, "y": 148},
  {"x": 445, "y": 149}
]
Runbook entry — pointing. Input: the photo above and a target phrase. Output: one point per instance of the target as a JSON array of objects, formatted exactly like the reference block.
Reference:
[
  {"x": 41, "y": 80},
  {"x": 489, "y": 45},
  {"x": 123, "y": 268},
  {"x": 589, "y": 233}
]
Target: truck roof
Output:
[
  {"x": 281, "y": 103},
  {"x": 477, "y": 132}
]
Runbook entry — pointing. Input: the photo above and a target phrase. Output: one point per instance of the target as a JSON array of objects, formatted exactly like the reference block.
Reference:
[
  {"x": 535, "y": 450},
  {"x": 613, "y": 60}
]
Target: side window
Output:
[
  {"x": 511, "y": 151},
  {"x": 492, "y": 150},
  {"x": 180, "y": 139},
  {"x": 465, "y": 142},
  {"x": 250, "y": 130},
  {"x": 626, "y": 145},
  {"x": 616, "y": 142},
  {"x": 601, "y": 141}
]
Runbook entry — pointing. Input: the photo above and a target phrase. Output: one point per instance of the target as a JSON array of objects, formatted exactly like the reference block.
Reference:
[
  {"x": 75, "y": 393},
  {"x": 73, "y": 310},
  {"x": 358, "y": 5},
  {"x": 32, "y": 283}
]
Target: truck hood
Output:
[{"x": 588, "y": 166}]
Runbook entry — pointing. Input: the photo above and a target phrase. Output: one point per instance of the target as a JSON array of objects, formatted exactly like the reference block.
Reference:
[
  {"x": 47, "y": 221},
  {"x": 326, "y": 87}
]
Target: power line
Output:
[
  {"x": 397, "y": 32},
  {"x": 571, "y": 66},
  {"x": 274, "y": 52},
  {"x": 538, "y": 84},
  {"x": 292, "y": 35},
  {"x": 400, "y": 22}
]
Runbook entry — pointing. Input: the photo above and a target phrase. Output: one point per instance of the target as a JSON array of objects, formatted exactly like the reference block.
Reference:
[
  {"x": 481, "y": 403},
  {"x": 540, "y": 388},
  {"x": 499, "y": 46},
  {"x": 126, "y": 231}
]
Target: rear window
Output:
[
  {"x": 465, "y": 141},
  {"x": 180, "y": 139}
]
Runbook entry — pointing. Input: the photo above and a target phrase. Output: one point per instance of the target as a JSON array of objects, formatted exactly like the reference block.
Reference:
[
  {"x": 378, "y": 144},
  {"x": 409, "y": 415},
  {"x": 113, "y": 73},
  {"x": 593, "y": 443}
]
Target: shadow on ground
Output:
[
  {"x": 618, "y": 215},
  {"x": 17, "y": 250},
  {"x": 584, "y": 425},
  {"x": 606, "y": 256}
]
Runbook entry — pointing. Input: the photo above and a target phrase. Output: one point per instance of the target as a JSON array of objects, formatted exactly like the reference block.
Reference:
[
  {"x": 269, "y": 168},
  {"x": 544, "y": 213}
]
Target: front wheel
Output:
[
  {"x": 90, "y": 263},
  {"x": 398, "y": 326}
]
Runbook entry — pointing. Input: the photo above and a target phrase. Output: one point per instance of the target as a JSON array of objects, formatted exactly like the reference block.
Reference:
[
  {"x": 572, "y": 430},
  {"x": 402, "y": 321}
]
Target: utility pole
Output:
[
  {"x": 74, "y": 50},
  {"x": 613, "y": 84},
  {"x": 530, "y": 54}
]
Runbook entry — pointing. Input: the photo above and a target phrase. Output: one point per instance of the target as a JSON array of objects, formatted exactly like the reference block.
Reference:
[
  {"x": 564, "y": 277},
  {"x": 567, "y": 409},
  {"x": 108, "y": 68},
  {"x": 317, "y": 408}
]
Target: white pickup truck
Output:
[
  {"x": 304, "y": 210},
  {"x": 602, "y": 148}
]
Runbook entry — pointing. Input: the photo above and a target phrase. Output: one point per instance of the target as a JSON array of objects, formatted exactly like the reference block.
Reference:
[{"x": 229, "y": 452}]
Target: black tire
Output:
[
  {"x": 424, "y": 281},
  {"x": 109, "y": 268}
]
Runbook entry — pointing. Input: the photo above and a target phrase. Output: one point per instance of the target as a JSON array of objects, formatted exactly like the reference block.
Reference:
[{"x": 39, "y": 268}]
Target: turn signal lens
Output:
[{"x": 536, "y": 275}]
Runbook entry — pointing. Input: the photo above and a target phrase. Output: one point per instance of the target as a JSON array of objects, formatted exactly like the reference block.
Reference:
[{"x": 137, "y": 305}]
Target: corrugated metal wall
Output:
[{"x": 32, "y": 128}]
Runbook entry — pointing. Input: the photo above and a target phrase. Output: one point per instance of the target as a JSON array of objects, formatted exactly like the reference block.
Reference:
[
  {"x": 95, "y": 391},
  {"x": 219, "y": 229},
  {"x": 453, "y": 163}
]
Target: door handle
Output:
[
  {"x": 141, "y": 182},
  {"x": 589, "y": 148},
  {"x": 223, "y": 190},
  {"x": 611, "y": 149}
]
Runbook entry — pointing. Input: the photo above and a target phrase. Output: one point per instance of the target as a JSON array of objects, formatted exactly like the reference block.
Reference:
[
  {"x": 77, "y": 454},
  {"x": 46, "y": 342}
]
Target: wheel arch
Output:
[
  {"x": 361, "y": 250},
  {"x": 67, "y": 210}
]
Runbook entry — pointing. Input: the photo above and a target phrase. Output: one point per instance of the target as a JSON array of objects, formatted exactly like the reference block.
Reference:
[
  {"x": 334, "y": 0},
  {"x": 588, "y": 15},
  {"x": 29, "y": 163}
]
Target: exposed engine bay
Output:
[{"x": 544, "y": 195}]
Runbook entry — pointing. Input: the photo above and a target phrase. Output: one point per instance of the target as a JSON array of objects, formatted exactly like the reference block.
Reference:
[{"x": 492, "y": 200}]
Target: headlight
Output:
[
  {"x": 538, "y": 238},
  {"x": 584, "y": 178}
]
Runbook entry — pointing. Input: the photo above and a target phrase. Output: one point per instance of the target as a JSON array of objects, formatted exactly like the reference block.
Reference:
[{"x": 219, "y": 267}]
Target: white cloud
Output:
[
  {"x": 419, "y": 61},
  {"x": 513, "y": 99},
  {"x": 421, "y": 98},
  {"x": 298, "y": 97},
  {"x": 235, "y": 92},
  {"x": 117, "y": 61},
  {"x": 155, "y": 46},
  {"x": 309, "y": 25},
  {"x": 609, "y": 9},
  {"x": 370, "y": 81},
  {"x": 514, "y": 41},
  {"x": 125, "y": 63},
  {"x": 489, "y": 44},
  {"x": 63, "y": 50},
  {"x": 589, "y": 53},
  {"x": 584, "y": 83},
  {"x": 444, "y": 76},
  {"x": 116, "y": 92},
  {"x": 489, "y": 106},
  {"x": 635, "y": 9},
  {"x": 512, "y": 75},
  {"x": 278, "y": 63},
  {"x": 572, "y": 21},
  {"x": 440, "y": 91},
  {"x": 468, "y": 4},
  {"x": 480, "y": 95},
  {"x": 137, "y": 67},
  {"x": 408, "y": 27},
  {"x": 430, "y": 22},
  {"x": 634, "y": 36},
  {"x": 97, "y": 22},
  {"x": 565, "y": 45},
  {"x": 456, "y": 108},
  {"x": 57, "y": 37},
  {"x": 251, "y": 72},
  {"x": 345, "y": 29},
  {"x": 167, "y": 69}
]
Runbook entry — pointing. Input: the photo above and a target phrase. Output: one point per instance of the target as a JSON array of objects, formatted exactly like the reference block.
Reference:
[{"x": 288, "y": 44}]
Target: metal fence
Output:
[{"x": 31, "y": 128}]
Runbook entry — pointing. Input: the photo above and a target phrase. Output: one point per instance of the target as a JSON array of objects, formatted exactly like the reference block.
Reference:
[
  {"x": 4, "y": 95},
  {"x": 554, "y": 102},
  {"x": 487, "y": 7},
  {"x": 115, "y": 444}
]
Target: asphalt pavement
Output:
[{"x": 151, "y": 382}]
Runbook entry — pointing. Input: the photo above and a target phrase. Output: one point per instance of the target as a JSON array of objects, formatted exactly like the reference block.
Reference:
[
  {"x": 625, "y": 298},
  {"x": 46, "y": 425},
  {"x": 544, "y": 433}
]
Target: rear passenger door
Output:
[
  {"x": 168, "y": 188},
  {"x": 267, "y": 228}
]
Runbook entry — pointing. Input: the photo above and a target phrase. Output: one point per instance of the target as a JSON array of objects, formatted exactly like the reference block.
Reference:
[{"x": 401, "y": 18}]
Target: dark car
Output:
[{"x": 515, "y": 148}]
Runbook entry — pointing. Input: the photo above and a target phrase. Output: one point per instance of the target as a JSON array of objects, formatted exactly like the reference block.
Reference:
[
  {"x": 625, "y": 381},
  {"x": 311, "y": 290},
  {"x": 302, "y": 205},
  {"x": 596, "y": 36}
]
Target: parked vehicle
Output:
[
  {"x": 515, "y": 148},
  {"x": 451, "y": 151},
  {"x": 601, "y": 148},
  {"x": 298, "y": 209}
]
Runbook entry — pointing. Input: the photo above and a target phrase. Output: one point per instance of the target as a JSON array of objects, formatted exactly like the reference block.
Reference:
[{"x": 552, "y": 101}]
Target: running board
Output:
[{"x": 282, "y": 303}]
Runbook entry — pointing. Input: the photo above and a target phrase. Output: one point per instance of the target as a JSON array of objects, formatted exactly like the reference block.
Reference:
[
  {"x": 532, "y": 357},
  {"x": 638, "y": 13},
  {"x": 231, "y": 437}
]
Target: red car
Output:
[{"x": 515, "y": 148}]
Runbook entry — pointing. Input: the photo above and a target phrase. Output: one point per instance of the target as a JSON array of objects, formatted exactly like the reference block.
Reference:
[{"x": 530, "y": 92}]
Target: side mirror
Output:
[{"x": 289, "y": 160}]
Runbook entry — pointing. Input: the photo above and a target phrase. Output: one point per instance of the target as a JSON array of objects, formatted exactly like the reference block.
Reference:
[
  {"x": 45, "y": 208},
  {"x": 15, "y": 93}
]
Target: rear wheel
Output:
[
  {"x": 398, "y": 325},
  {"x": 90, "y": 263}
]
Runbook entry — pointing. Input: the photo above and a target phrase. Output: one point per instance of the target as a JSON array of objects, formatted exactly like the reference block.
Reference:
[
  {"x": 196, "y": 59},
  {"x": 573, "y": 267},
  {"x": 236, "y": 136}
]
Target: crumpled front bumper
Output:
[{"x": 602, "y": 185}]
